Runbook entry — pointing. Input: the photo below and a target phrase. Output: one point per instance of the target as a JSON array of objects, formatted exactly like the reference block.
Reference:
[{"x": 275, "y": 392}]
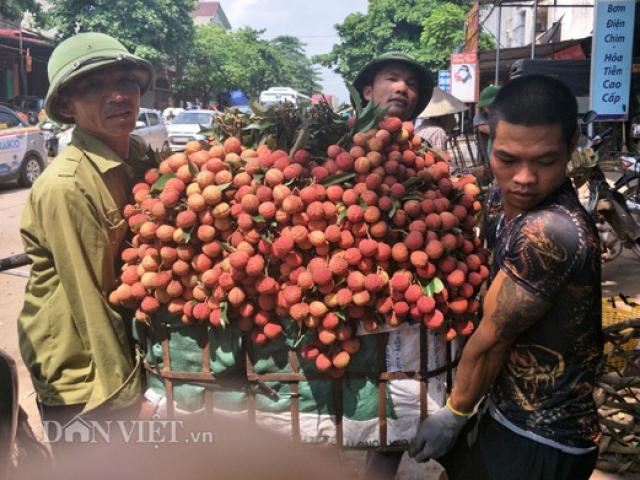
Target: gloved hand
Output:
[{"x": 437, "y": 434}]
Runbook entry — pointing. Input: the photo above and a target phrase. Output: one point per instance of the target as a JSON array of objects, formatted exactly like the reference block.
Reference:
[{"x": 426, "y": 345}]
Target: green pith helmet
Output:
[
  {"x": 85, "y": 53},
  {"x": 366, "y": 75},
  {"x": 488, "y": 95}
]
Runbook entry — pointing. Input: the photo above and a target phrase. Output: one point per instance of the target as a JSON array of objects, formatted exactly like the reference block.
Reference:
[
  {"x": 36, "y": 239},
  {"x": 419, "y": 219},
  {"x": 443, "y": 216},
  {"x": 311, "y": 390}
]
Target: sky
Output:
[{"x": 311, "y": 21}]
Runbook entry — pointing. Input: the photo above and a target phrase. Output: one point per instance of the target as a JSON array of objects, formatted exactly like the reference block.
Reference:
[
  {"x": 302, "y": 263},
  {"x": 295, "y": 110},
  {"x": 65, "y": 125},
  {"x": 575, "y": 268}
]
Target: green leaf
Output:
[
  {"x": 258, "y": 218},
  {"x": 301, "y": 140},
  {"x": 455, "y": 195},
  {"x": 224, "y": 318},
  {"x": 363, "y": 204},
  {"x": 193, "y": 170},
  {"x": 355, "y": 96},
  {"x": 227, "y": 247},
  {"x": 337, "y": 178},
  {"x": 428, "y": 289},
  {"x": 341, "y": 215},
  {"x": 436, "y": 152},
  {"x": 259, "y": 126},
  {"x": 224, "y": 186},
  {"x": 411, "y": 181},
  {"x": 159, "y": 184},
  {"x": 413, "y": 196},
  {"x": 438, "y": 286},
  {"x": 154, "y": 155},
  {"x": 394, "y": 207},
  {"x": 369, "y": 118}
]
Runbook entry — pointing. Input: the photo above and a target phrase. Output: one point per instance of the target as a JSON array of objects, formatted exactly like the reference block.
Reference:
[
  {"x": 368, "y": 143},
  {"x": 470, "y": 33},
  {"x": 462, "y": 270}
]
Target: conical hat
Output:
[{"x": 442, "y": 103}]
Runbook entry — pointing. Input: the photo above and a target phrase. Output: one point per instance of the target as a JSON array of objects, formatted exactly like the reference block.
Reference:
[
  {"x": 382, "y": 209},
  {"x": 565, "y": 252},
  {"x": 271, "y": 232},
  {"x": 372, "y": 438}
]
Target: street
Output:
[{"x": 620, "y": 276}]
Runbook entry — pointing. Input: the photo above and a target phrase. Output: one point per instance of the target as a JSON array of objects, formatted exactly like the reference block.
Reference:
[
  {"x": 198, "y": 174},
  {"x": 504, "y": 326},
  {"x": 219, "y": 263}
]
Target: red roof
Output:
[
  {"x": 206, "y": 9},
  {"x": 27, "y": 37}
]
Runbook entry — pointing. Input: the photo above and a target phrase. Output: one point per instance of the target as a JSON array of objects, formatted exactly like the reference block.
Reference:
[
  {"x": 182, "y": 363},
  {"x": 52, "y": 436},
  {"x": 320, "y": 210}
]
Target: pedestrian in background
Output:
[{"x": 436, "y": 122}]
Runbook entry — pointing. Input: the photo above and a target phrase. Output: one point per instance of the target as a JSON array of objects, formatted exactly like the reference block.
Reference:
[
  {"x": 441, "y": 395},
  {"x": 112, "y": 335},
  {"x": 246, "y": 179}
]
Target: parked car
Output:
[
  {"x": 149, "y": 126},
  {"x": 23, "y": 155},
  {"x": 186, "y": 126}
]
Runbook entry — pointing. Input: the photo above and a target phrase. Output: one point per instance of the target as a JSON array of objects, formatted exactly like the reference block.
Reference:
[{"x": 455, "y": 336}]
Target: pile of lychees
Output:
[{"x": 377, "y": 233}]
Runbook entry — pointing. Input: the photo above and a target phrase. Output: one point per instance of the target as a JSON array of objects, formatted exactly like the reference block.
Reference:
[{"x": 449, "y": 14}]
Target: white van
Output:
[{"x": 276, "y": 95}]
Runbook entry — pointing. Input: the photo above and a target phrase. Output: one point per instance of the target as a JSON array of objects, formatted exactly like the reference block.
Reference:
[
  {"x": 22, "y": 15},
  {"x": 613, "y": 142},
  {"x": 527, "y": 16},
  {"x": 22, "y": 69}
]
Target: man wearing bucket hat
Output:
[
  {"x": 73, "y": 341},
  {"x": 395, "y": 81}
]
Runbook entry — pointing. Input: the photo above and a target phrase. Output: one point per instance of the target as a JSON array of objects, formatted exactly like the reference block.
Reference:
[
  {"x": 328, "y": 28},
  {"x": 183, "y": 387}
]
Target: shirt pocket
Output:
[{"x": 117, "y": 227}]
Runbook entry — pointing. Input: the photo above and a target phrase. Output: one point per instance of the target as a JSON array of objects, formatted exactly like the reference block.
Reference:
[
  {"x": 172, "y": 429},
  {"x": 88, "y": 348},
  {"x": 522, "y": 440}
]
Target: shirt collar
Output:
[{"x": 98, "y": 152}]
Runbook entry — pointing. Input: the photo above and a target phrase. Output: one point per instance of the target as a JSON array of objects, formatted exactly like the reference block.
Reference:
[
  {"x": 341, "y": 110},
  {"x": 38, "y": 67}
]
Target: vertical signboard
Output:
[
  {"x": 464, "y": 76},
  {"x": 611, "y": 58},
  {"x": 444, "y": 80}
]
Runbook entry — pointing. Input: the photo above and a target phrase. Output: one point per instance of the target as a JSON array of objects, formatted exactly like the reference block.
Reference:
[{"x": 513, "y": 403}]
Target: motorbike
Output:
[
  {"x": 629, "y": 183},
  {"x": 617, "y": 228},
  {"x": 50, "y": 131}
]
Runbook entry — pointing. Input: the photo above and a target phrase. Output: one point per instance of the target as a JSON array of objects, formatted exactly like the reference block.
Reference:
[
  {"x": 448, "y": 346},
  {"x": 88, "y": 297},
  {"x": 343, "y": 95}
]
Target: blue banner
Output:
[
  {"x": 611, "y": 58},
  {"x": 444, "y": 80}
]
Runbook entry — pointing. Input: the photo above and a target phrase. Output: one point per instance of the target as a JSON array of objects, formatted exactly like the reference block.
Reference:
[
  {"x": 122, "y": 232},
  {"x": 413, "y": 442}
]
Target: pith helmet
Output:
[
  {"x": 367, "y": 74},
  {"x": 85, "y": 53},
  {"x": 488, "y": 95}
]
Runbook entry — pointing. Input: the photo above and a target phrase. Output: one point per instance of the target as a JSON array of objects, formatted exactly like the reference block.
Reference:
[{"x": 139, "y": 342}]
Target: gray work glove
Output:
[{"x": 437, "y": 434}]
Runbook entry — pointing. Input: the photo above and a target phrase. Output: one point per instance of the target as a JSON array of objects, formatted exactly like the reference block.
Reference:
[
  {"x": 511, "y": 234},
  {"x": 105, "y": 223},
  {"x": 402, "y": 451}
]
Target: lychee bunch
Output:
[{"x": 379, "y": 233}]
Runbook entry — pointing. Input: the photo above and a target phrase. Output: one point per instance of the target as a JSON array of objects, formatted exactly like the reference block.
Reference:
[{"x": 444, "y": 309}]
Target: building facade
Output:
[
  {"x": 209, "y": 12},
  {"x": 553, "y": 21}
]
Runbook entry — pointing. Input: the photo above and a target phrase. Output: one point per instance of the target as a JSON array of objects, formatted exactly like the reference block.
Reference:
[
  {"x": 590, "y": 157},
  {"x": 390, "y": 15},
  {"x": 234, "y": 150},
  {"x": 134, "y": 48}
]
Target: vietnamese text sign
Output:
[
  {"x": 464, "y": 76},
  {"x": 444, "y": 80},
  {"x": 611, "y": 58}
]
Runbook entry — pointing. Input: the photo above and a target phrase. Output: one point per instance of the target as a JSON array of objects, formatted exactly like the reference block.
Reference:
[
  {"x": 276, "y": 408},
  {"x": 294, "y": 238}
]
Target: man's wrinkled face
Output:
[
  {"x": 395, "y": 86},
  {"x": 529, "y": 163},
  {"x": 105, "y": 103}
]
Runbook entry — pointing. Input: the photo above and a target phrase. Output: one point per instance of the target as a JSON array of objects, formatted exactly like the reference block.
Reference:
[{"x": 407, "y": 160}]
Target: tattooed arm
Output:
[{"x": 509, "y": 309}]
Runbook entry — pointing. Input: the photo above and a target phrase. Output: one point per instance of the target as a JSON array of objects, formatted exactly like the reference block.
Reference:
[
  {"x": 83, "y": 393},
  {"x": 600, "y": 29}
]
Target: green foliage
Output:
[
  {"x": 429, "y": 30},
  {"x": 295, "y": 64},
  {"x": 222, "y": 60},
  {"x": 159, "y": 30},
  {"x": 13, "y": 10}
]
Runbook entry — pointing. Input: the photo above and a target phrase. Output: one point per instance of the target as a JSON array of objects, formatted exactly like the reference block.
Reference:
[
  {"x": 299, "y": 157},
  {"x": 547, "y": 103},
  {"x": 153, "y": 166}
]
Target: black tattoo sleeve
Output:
[{"x": 516, "y": 309}]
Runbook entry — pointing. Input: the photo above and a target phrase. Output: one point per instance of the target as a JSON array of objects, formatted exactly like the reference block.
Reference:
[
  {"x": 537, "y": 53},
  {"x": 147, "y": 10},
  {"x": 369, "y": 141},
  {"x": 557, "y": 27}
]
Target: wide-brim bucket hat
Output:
[
  {"x": 86, "y": 53},
  {"x": 367, "y": 74},
  {"x": 442, "y": 103}
]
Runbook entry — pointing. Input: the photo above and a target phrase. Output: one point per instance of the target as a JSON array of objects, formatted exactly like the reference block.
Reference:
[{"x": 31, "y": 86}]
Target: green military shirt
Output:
[{"x": 73, "y": 341}]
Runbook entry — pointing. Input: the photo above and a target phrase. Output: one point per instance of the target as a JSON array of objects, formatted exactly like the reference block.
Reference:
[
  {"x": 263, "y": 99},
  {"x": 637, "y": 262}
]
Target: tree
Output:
[
  {"x": 13, "y": 10},
  {"x": 221, "y": 61},
  {"x": 429, "y": 30},
  {"x": 160, "y": 31},
  {"x": 297, "y": 67}
]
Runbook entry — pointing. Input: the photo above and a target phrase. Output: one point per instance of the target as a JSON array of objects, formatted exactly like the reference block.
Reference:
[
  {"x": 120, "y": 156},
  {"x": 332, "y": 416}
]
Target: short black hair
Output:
[{"x": 534, "y": 100}]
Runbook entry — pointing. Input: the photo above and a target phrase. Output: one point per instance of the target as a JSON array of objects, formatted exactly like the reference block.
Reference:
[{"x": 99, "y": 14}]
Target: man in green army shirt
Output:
[{"x": 74, "y": 343}]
